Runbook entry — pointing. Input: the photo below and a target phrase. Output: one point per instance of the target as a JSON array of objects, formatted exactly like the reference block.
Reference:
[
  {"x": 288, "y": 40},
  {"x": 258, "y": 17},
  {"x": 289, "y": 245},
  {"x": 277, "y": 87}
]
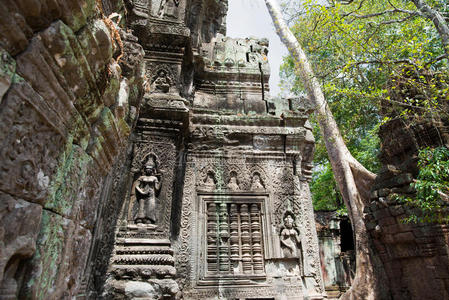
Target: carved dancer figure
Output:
[
  {"x": 146, "y": 189},
  {"x": 168, "y": 8},
  {"x": 256, "y": 182},
  {"x": 210, "y": 181},
  {"x": 290, "y": 241},
  {"x": 233, "y": 184},
  {"x": 162, "y": 82}
]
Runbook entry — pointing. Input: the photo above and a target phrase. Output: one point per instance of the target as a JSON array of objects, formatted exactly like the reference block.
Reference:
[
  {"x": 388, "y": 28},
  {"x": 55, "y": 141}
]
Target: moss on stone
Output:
[
  {"x": 70, "y": 176},
  {"x": 49, "y": 249}
]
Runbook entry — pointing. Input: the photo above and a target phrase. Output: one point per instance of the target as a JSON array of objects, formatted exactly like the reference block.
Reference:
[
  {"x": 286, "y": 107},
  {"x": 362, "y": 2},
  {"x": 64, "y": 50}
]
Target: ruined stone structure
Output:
[
  {"x": 143, "y": 158},
  {"x": 219, "y": 205},
  {"x": 414, "y": 256},
  {"x": 337, "y": 253}
]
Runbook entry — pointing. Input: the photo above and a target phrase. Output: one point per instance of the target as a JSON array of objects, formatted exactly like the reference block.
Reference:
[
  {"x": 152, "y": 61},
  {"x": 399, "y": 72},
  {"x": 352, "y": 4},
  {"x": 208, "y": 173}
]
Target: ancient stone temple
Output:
[{"x": 200, "y": 189}]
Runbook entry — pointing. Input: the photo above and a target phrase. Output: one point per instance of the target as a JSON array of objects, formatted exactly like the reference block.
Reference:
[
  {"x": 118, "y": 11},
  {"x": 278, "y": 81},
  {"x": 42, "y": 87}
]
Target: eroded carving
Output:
[
  {"x": 210, "y": 182},
  {"x": 257, "y": 183},
  {"x": 162, "y": 82},
  {"x": 140, "y": 8},
  {"x": 290, "y": 240},
  {"x": 233, "y": 183},
  {"x": 168, "y": 9}
]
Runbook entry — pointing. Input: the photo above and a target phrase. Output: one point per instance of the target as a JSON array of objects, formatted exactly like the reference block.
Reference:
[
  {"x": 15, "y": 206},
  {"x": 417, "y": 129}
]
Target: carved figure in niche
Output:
[
  {"x": 290, "y": 241},
  {"x": 256, "y": 182},
  {"x": 297, "y": 160},
  {"x": 162, "y": 82},
  {"x": 210, "y": 180},
  {"x": 168, "y": 8},
  {"x": 139, "y": 8},
  {"x": 145, "y": 190},
  {"x": 233, "y": 184}
]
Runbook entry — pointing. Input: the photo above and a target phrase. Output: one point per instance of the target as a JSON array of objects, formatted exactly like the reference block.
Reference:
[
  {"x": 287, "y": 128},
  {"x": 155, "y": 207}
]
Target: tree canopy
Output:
[{"x": 372, "y": 57}]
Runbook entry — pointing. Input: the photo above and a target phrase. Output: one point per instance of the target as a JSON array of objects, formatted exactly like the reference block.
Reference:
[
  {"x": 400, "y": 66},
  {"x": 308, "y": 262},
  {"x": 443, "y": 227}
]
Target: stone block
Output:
[
  {"x": 404, "y": 237},
  {"x": 380, "y": 247},
  {"x": 255, "y": 106},
  {"x": 384, "y": 192},
  {"x": 420, "y": 232},
  {"x": 96, "y": 42},
  {"x": 7, "y": 72},
  {"x": 381, "y": 213},
  {"x": 204, "y": 100},
  {"x": 406, "y": 189},
  {"x": 108, "y": 142},
  {"x": 31, "y": 143},
  {"x": 399, "y": 227},
  {"x": 38, "y": 68},
  {"x": 387, "y": 221},
  {"x": 63, "y": 46},
  {"x": 63, "y": 247},
  {"x": 268, "y": 143},
  {"x": 88, "y": 198},
  {"x": 388, "y": 239},
  {"x": 74, "y": 190},
  {"x": 371, "y": 225},
  {"x": 76, "y": 13},
  {"x": 230, "y": 102},
  {"x": 424, "y": 240},
  {"x": 373, "y": 206},
  {"x": 396, "y": 210},
  {"x": 397, "y": 181},
  {"x": 19, "y": 228},
  {"x": 14, "y": 30},
  {"x": 442, "y": 269}
]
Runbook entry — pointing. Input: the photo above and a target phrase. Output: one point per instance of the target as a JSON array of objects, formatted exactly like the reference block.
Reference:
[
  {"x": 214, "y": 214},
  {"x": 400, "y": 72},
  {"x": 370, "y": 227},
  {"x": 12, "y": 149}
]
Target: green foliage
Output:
[
  {"x": 374, "y": 60},
  {"x": 323, "y": 187},
  {"x": 432, "y": 187},
  {"x": 324, "y": 190}
]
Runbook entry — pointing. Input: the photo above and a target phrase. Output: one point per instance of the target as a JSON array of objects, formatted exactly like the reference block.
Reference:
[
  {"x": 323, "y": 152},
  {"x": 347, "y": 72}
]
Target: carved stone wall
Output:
[
  {"x": 219, "y": 204},
  {"x": 265, "y": 190},
  {"x": 68, "y": 104}
]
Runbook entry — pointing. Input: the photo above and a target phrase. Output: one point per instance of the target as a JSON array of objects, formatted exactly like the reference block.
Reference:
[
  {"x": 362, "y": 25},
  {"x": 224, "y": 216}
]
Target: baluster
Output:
[
  {"x": 212, "y": 255},
  {"x": 223, "y": 248},
  {"x": 246, "y": 239},
  {"x": 256, "y": 239},
  {"x": 234, "y": 238}
]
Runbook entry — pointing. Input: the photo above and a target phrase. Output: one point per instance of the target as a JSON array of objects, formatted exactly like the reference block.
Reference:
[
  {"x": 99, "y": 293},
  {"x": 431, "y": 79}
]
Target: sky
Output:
[{"x": 248, "y": 18}]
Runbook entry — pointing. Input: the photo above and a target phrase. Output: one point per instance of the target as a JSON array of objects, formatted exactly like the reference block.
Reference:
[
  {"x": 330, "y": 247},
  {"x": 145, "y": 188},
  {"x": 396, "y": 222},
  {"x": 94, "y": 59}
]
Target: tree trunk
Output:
[
  {"x": 438, "y": 20},
  {"x": 353, "y": 180}
]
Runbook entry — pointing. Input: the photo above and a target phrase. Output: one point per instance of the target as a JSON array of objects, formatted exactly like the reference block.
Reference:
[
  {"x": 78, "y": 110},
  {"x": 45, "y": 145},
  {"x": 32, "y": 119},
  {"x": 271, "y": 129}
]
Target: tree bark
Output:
[
  {"x": 438, "y": 20},
  {"x": 353, "y": 180}
]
